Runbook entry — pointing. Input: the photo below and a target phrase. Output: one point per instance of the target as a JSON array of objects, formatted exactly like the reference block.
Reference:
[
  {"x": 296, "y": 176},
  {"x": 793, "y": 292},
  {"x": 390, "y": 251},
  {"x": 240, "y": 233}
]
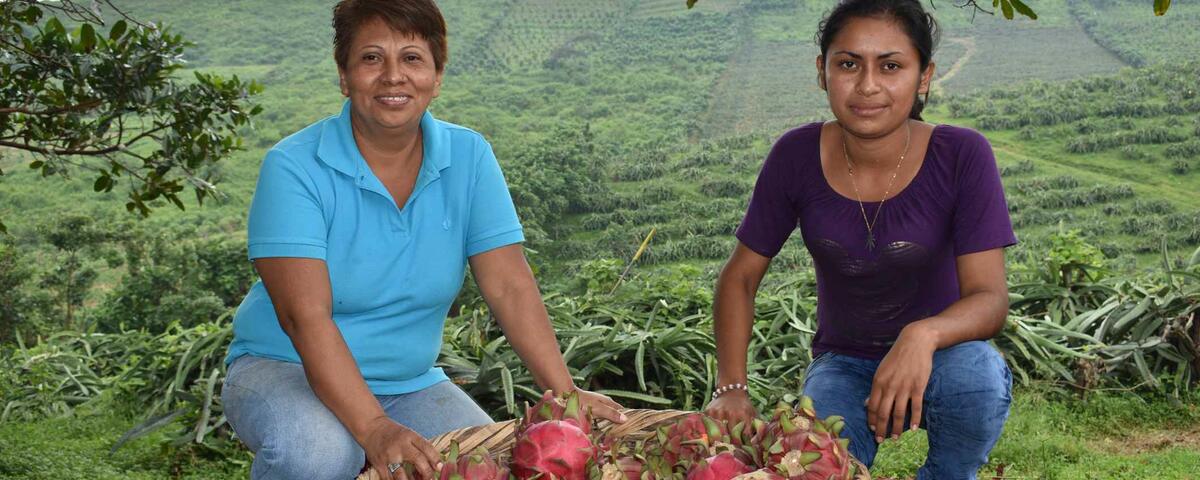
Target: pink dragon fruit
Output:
[
  {"x": 798, "y": 446},
  {"x": 722, "y": 466},
  {"x": 761, "y": 474},
  {"x": 565, "y": 408},
  {"x": 476, "y": 466},
  {"x": 690, "y": 439},
  {"x": 553, "y": 449}
]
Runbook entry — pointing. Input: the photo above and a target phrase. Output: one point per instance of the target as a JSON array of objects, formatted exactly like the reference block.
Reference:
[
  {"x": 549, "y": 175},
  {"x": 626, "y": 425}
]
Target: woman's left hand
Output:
[
  {"x": 601, "y": 405},
  {"x": 900, "y": 379}
]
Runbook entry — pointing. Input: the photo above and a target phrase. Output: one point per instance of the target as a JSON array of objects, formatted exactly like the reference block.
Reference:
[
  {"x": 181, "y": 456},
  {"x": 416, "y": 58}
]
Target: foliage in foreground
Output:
[
  {"x": 649, "y": 344},
  {"x": 1110, "y": 436},
  {"x": 109, "y": 102}
]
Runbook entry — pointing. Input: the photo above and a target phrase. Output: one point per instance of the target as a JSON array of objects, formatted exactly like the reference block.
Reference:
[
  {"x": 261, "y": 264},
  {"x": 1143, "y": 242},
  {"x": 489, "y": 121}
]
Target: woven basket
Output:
[{"x": 497, "y": 438}]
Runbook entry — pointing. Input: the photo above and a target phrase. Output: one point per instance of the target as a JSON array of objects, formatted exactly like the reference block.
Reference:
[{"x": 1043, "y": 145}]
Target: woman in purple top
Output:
[{"x": 906, "y": 223}]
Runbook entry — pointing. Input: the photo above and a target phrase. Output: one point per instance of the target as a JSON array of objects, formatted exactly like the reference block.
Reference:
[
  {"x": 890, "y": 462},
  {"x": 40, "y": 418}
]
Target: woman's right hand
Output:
[
  {"x": 733, "y": 407},
  {"x": 388, "y": 442}
]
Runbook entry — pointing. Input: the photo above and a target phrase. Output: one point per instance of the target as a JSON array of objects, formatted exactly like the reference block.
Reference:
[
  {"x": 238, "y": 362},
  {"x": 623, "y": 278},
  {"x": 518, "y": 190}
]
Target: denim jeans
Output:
[
  {"x": 965, "y": 405},
  {"x": 276, "y": 414}
]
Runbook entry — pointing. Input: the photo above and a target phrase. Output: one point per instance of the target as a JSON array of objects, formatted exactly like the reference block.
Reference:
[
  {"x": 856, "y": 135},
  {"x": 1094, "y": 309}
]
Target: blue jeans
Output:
[
  {"x": 965, "y": 405},
  {"x": 276, "y": 414}
]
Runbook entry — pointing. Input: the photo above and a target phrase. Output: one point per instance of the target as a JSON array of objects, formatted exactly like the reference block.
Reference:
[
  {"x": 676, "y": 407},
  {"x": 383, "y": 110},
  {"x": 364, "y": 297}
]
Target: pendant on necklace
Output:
[{"x": 870, "y": 242}]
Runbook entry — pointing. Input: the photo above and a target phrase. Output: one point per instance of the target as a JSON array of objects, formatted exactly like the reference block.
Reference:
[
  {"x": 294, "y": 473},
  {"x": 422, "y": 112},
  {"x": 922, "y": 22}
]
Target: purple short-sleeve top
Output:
[{"x": 954, "y": 206}]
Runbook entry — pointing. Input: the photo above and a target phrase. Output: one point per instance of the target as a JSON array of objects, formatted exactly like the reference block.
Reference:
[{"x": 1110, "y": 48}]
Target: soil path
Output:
[{"x": 969, "y": 44}]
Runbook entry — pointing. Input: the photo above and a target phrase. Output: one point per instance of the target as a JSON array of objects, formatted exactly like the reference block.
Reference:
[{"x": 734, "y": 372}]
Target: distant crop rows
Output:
[
  {"x": 1125, "y": 137},
  {"x": 1128, "y": 29},
  {"x": 1090, "y": 165}
]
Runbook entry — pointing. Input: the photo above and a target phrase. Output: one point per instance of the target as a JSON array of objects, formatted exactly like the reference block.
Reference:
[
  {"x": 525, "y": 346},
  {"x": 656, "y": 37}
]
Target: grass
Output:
[
  {"x": 1108, "y": 436},
  {"x": 1048, "y": 435},
  {"x": 78, "y": 447}
]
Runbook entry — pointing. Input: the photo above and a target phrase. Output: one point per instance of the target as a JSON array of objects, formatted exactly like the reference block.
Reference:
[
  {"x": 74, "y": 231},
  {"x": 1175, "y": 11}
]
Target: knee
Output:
[
  {"x": 311, "y": 451},
  {"x": 971, "y": 376},
  {"x": 836, "y": 385},
  {"x": 973, "y": 366}
]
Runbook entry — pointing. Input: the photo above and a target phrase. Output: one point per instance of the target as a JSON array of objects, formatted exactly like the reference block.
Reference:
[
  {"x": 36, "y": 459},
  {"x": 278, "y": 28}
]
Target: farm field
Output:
[{"x": 614, "y": 119}]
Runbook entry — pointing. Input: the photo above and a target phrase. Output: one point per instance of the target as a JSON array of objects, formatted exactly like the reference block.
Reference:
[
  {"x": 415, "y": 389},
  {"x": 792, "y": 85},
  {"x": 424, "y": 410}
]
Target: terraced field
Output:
[
  {"x": 766, "y": 87},
  {"x": 1129, "y": 29},
  {"x": 532, "y": 31},
  {"x": 1007, "y": 53},
  {"x": 769, "y": 82}
]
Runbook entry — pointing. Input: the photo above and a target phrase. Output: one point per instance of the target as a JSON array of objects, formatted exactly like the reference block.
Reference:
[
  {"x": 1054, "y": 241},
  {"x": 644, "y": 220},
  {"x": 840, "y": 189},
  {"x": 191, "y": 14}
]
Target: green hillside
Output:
[
  {"x": 1129, "y": 29},
  {"x": 612, "y": 119},
  {"x": 679, "y": 106}
]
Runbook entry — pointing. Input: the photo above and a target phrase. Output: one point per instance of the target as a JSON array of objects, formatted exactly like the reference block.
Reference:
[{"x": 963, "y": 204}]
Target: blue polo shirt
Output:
[{"x": 394, "y": 271}]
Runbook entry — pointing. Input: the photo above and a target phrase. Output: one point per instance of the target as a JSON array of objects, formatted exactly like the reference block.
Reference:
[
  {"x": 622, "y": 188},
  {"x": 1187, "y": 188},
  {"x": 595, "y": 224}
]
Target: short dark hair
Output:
[
  {"x": 415, "y": 17},
  {"x": 920, "y": 26}
]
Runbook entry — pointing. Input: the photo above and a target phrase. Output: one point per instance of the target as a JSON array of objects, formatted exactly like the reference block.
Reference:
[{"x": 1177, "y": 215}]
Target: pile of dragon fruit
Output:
[{"x": 556, "y": 441}]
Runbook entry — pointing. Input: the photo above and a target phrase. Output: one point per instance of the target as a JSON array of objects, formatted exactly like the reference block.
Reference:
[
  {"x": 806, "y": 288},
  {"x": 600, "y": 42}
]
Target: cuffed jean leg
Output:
[
  {"x": 966, "y": 405},
  {"x": 839, "y": 385}
]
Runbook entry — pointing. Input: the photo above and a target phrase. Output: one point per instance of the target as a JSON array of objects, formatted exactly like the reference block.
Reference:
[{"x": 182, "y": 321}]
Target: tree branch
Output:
[
  {"x": 973, "y": 4},
  {"x": 80, "y": 13},
  {"x": 49, "y": 151},
  {"x": 88, "y": 105},
  {"x": 103, "y": 151}
]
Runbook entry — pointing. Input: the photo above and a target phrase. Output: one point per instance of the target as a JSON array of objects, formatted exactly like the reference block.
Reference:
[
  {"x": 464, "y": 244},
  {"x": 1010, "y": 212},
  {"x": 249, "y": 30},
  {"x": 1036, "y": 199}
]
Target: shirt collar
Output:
[{"x": 339, "y": 151}]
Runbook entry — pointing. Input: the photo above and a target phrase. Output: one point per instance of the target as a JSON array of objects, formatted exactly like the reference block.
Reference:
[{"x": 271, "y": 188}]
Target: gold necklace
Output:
[{"x": 850, "y": 169}]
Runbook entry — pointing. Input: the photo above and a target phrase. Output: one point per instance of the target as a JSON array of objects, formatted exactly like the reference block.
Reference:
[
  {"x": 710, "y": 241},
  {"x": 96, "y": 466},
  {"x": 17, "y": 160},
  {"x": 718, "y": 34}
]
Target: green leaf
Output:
[
  {"x": 36, "y": 164},
  {"x": 3, "y": 228},
  {"x": 148, "y": 426},
  {"x": 1007, "y": 8},
  {"x": 635, "y": 396},
  {"x": 206, "y": 406},
  {"x": 691, "y": 3},
  {"x": 1161, "y": 6},
  {"x": 506, "y": 382},
  {"x": 103, "y": 183},
  {"x": 117, "y": 30},
  {"x": 87, "y": 37},
  {"x": 639, "y": 365},
  {"x": 55, "y": 27},
  {"x": 31, "y": 15},
  {"x": 1024, "y": 9}
]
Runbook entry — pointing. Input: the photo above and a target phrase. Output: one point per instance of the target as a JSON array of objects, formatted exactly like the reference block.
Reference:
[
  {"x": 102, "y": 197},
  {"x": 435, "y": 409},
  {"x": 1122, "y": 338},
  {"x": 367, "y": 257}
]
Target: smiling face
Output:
[
  {"x": 872, "y": 76},
  {"x": 390, "y": 77}
]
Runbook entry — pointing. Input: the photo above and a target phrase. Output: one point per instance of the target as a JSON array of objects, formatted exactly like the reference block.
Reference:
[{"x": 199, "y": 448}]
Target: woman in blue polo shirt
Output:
[{"x": 361, "y": 228}]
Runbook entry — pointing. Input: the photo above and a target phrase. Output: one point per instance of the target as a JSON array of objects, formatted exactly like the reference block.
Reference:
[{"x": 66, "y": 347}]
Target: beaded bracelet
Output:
[{"x": 727, "y": 388}]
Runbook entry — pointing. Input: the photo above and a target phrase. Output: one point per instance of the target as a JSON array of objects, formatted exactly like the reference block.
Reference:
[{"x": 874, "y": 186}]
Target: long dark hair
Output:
[{"x": 920, "y": 26}]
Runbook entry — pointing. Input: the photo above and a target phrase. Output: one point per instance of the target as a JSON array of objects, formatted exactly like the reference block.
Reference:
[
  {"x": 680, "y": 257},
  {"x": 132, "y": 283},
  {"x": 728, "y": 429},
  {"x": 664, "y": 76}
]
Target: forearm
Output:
[
  {"x": 733, "y": 318},
  {"x": 522, "y": 316},
  {"x": 977, "y": 316},
  {"x": 334, "y": 375}
]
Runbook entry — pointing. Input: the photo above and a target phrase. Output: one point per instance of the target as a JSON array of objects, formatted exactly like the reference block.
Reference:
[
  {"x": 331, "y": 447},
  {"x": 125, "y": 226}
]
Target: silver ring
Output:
[{"x": 392, "y": 467}]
